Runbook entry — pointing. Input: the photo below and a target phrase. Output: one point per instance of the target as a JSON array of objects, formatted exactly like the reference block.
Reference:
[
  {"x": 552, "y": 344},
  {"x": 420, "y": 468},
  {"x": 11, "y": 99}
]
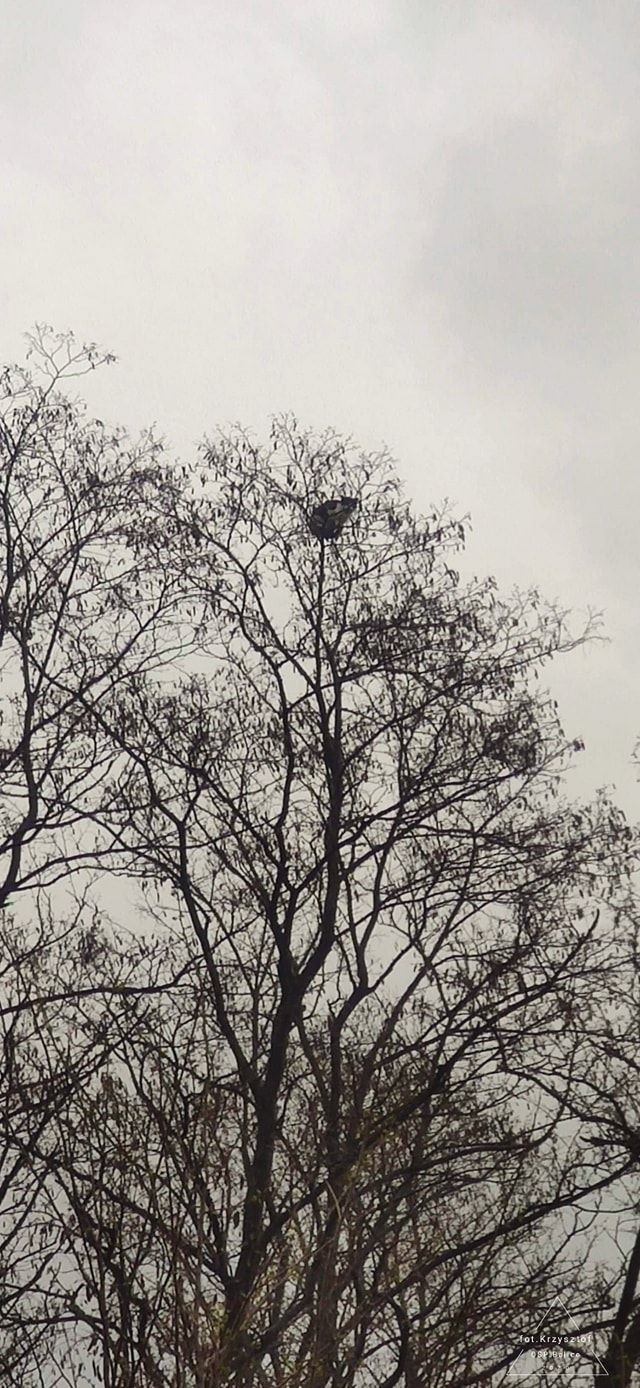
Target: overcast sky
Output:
[{"x": 415, "y": 220}]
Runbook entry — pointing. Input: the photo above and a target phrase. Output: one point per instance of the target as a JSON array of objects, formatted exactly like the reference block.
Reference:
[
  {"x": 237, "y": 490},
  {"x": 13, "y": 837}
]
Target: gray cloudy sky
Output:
[{"x": 415, "y": 220}]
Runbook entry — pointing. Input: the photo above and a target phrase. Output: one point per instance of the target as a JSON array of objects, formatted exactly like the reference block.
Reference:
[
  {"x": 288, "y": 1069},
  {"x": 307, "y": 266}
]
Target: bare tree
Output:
[
  {"x": 338, "y": 1139},
  {"x": 360, "y": 1131}
]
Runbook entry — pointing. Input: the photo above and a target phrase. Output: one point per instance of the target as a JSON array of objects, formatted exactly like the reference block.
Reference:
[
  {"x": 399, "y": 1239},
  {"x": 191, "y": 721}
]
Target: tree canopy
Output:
[{"x": 335, "y": 1097}]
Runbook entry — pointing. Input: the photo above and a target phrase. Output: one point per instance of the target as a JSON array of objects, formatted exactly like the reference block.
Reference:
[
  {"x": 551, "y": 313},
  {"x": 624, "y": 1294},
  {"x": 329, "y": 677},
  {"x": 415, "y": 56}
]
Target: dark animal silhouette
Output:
[{"x": 328, "y": 518}]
